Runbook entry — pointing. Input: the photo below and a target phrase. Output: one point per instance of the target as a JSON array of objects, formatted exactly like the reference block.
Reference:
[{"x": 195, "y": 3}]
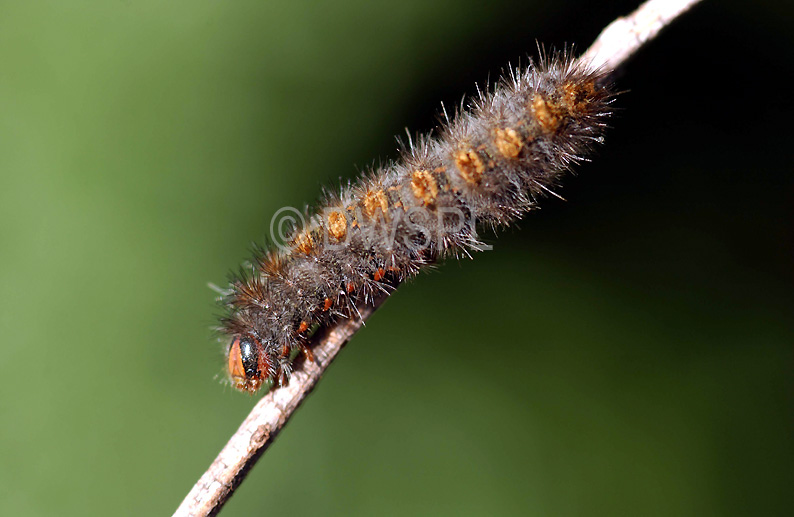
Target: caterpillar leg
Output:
[{"x": 307, "y": 352}]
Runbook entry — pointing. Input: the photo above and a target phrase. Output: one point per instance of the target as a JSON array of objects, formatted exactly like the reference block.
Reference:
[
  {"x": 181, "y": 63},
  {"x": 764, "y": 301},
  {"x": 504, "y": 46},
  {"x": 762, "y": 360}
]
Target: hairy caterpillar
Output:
[{"x": 488, "y": 166}]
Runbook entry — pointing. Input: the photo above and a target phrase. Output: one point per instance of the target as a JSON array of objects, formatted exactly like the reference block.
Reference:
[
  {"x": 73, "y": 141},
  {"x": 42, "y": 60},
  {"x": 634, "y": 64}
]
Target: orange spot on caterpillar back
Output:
[
  {"x": 508, "y": 142},
  {"x": 424, "y": 186},
  {"x": 378, "y": 274},
  {"x": 303, "y": 243},
  {"x": 470, "y": 166},
  {"x": 337, "y": 225},
  {"x": 303, "y": 327},
  {"x": 374, "y": 200},
  {"x": 327, "y": 304},
  {"x": 577, "y": 93},
  {"x": 546, "y": 113}
]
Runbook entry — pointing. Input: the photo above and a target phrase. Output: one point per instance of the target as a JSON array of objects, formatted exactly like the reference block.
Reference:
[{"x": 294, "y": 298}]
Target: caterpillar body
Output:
[{"x": 488, "y": 166}]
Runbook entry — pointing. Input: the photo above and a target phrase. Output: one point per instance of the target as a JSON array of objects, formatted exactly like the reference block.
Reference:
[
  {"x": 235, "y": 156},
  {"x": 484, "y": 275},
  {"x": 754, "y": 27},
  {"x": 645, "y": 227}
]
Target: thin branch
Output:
[
  {"x": 619, "y": 41},
  {"x": 626, "y": 35},
  {"x": 266, "y": 419}
]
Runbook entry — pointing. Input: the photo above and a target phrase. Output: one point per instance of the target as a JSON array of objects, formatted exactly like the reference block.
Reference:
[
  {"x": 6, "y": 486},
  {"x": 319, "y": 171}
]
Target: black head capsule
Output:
[{"x": 248, "y": 363}]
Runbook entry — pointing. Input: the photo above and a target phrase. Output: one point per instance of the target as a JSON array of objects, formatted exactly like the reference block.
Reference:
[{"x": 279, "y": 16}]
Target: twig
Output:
[
  {"x": 621, "y": 39},
  {"x": 266, "y": 419}
]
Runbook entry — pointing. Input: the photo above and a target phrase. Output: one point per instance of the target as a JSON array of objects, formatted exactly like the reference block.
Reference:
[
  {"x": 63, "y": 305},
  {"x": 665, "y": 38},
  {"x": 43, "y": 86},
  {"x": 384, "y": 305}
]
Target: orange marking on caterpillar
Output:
[
  {"x": 378, "y": 274},
  {"x": 236, "y": 369},
  {"x": 327, "y": 304},
  {"x": 374, "y": 200},
  {"x": 508, "y": 142},
  {"x": 576, "y": 94},
  {"x": 304, "y": 243},
  {"x": 337, "y": 225},
  {"x": 303, "y": 327},
  {"x": 470, "y": 166},
  {"x": 424, "y": 187},
  {"x": 351, "y": 287},
  {"x": 546, "y": 113}
]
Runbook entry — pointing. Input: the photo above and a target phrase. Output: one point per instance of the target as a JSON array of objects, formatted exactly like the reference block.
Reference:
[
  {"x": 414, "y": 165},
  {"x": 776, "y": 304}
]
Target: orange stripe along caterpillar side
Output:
[{"x": 488, "y": 165}]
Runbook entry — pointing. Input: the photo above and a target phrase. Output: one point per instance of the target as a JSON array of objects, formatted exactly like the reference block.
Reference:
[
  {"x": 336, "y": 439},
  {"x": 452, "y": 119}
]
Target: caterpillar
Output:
[{"x": 487, "y": 166}]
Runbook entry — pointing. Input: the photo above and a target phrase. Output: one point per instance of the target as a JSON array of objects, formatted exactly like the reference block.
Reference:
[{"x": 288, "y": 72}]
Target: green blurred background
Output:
[{"x": 628, "y": 352}]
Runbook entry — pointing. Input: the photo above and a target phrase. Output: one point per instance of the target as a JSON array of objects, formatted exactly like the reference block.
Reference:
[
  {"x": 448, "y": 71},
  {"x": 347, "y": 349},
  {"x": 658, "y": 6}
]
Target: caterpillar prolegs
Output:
[{"x": 488, "y": 165}]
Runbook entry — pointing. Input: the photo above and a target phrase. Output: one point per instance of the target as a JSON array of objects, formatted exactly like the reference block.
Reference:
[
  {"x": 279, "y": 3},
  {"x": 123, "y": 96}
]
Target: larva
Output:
[{"x": 488, "y": 165}]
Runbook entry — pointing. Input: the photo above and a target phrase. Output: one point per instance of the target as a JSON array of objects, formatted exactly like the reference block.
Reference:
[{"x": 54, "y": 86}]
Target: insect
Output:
[{"x": 488, "y": 166}]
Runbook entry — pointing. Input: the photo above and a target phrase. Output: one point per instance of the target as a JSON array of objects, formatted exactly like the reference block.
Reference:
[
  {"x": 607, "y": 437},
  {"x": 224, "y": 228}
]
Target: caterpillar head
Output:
[{"x": 248, "y": 363}]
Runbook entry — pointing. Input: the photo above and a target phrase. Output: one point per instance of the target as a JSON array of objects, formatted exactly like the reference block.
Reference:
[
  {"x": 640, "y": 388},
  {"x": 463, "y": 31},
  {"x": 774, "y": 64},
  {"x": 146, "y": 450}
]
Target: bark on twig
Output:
[
  {"x": 623, "y": 37},
  {"x": 619, "y": 41}
]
